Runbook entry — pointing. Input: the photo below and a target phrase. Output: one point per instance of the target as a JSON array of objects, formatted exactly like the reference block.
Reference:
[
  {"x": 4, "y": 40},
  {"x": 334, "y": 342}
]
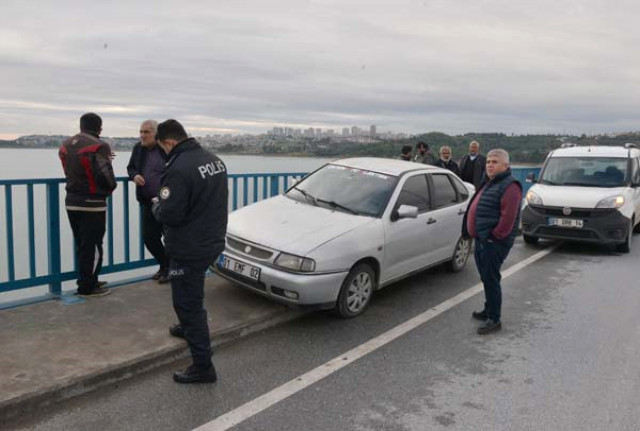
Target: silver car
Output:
[{"x": 346, "y": 230}]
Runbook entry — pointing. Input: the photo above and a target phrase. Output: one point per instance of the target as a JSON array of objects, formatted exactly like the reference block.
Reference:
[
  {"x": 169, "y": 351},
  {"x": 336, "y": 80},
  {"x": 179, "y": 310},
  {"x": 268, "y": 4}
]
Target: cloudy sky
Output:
[{"x": 246, "y": 66}]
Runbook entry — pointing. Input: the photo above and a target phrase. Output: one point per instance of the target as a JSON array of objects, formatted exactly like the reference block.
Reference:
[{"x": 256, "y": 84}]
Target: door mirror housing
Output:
[
  {"x": 531, "y": 178},
  {"x": 407, "y": 211}
]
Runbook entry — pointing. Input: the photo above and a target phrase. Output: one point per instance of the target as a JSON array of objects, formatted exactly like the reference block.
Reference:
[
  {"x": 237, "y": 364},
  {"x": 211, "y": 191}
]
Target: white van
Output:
[{"x": 589, "y": 194}]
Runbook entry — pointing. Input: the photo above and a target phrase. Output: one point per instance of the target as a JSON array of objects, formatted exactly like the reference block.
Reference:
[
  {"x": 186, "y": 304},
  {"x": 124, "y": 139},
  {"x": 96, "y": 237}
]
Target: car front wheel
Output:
[
  {"x": 530, "y": 239},
  {"x": 460, "y": 254},
  {"x": 625, "y": 247},
  {"x": 356, "y": 291}
]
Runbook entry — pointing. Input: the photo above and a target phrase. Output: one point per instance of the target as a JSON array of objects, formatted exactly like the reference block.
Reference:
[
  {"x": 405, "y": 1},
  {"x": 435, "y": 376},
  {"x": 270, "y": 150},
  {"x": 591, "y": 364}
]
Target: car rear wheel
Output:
[
  {"x": 530, "y": 239},
  {"x": 625, "y": 247},
  {"x": 460, "y": 254},
  {"x": 356, "y": 291}
]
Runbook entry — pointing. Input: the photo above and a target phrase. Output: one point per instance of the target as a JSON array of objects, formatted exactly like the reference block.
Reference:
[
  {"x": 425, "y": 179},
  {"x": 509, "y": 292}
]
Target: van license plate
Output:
[
  {"x": 238, "y": 267},
  {"x": 565, "y": 222}
]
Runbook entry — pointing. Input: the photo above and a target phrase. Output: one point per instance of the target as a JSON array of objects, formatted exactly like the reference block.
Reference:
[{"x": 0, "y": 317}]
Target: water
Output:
[{"x": 44, "y": 163}]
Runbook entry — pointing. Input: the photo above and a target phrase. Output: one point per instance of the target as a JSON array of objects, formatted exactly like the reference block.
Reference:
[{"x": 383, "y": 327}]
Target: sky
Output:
[{"x": 454, "y": 66}]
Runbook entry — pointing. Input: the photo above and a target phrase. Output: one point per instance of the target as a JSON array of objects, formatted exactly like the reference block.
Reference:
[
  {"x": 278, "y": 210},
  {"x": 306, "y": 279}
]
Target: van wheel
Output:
[
  {"x": 625, "y": 247},
  {"x": 460, "y": 254},
  {"x": 530, "y": 239},
  {"x": 636, "y": 228},
  {"x": 356, "y": 291}
]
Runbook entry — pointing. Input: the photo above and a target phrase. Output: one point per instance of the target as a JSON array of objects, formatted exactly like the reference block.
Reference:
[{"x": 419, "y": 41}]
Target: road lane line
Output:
[{"x": 263, "y": 402}]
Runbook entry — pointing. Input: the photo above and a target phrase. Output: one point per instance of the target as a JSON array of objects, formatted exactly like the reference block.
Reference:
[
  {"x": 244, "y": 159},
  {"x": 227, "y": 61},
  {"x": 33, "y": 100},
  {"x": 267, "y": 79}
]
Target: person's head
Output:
[
  {"x": 474, "y": 147},
  {"x": 497, "y": 162},
  {"x": 422, "y": 147},
  {"x": 405, "y": 153},
  {"x": 91, "y": 123},
  {"x": 170, "y": 133},
  {"x": 148, "y": 130},
  {"x": 445, "y": 153}
]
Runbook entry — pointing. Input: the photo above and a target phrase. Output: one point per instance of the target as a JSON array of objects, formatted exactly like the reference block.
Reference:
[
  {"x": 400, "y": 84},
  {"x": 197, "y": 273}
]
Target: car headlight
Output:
[
  {"x": 611, "y": 202},
  {"x": 533, "y": 199},
  {"x": 295, "y": 263}
]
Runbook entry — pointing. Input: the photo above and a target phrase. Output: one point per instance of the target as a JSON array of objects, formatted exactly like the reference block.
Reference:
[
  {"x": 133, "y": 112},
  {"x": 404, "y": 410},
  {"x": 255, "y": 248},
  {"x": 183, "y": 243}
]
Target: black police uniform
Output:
[{"x": 192, "y": 207}]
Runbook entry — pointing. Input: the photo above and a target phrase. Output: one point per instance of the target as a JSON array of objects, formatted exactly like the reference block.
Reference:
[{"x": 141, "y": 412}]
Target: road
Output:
[{"x": 566, "y": 359}]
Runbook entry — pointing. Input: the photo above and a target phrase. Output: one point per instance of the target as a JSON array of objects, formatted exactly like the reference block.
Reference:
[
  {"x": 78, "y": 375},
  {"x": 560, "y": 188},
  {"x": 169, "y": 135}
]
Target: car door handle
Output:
[
  {"x": 431, "y": 220},
  {"x": 460, "y": 212}
]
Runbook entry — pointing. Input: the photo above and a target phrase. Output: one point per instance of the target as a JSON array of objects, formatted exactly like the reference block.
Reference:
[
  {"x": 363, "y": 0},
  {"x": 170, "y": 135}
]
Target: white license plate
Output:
[
  {"x": 238, "y": 267},
  {"x": 565, "y": 222}
]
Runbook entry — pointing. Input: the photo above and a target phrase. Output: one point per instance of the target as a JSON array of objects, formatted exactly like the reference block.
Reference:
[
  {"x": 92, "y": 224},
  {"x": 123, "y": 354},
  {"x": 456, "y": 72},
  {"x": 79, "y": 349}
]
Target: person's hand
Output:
[
  {"x": 139, "y": 180},
  {"x": 155, "y": 200},
  {"x": 112, "y": 155}
]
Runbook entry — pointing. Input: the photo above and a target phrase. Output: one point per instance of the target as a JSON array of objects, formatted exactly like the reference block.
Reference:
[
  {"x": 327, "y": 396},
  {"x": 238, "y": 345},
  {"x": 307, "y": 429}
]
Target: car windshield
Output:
[
  {"x": 585, "y": 172},
  {"x": 354, "y": 191}
]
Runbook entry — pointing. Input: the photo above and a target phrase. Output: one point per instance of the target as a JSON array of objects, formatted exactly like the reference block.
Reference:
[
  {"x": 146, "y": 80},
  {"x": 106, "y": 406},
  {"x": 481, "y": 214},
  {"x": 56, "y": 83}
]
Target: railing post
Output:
[
  {"x": 275, "y": 185},
  {"x": 53, "y": 237}
]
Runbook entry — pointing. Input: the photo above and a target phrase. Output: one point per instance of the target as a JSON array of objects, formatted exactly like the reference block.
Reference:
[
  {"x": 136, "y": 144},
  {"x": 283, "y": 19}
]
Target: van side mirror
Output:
[{"x": 531, "y": 177}]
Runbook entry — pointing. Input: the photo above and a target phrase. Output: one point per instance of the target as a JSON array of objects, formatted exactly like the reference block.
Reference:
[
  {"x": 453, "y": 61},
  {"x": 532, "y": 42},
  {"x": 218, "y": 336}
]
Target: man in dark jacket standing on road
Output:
[
  {"x": 492, "y": 220},
  {"x": 446, "y": 162},
  {"x": 472, "y": 165},
  {"x": 145, "y": 169},
  {"x": 192, "y": 206},
  {"x": 86, "y": 161}
]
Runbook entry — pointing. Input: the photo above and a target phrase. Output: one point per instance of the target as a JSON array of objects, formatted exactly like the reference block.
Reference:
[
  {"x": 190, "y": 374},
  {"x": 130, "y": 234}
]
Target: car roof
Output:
[
  {"x": 595, "y": 151},
  {"x": 395, "y": 167}
]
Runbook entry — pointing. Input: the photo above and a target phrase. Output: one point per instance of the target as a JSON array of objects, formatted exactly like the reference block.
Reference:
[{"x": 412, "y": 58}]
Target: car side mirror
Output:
[
  {"x": 407, "y": 211},
  {"x": 531, "y": 178}
]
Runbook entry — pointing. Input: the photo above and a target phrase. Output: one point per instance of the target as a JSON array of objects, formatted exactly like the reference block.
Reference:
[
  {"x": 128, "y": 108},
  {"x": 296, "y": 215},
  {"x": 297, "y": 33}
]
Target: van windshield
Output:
[{"x": 585, "y": 172}]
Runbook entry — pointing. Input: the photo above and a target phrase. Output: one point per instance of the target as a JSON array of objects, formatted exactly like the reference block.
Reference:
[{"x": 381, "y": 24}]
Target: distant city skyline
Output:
[{"x": 549, "y": 66}]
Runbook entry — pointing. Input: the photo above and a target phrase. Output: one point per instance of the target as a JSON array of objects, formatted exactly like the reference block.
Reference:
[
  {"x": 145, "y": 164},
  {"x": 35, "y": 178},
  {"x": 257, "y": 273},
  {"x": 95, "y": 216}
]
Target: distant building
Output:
[
  {"x": 372, "y": 131},
  {"x": 318, "y": 132},
  {"x": 356, "y": 131},
  {"x": 345, "y": 131}
]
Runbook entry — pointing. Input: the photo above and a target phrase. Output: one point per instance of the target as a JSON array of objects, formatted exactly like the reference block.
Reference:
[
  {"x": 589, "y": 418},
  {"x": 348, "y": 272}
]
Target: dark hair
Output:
[
  {"x": 422, "y": 144},
  {"x": 91, "y": 123},
  {"x": 171, "y": 129},
  {"x": 406, "y": 149}
]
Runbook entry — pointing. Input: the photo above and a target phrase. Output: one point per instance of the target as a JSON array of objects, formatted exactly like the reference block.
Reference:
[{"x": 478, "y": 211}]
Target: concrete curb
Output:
[{"x": 76, "y": 386}]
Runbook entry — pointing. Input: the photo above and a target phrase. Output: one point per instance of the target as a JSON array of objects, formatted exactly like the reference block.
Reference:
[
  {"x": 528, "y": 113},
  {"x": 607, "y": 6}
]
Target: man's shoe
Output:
[
  {"x": 489, "y": 326},
  {"x": 176, "y": 330},
  {"x": 480, "y": 315},
  {"x": 94, "y": 293},
  {"x": 102, "y": 283},
  {"x": 194, "y": 375},
  {"x": 164, "y": 278}
]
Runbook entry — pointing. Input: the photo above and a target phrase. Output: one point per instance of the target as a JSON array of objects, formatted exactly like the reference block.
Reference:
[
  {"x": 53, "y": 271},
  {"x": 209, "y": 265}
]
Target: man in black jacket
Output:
[
  {"x": 192, "y": 206},
  {"x": 86, "y": 161},
  {"x": 472, "y": 165},
  {"x": 145, "y": 169}
]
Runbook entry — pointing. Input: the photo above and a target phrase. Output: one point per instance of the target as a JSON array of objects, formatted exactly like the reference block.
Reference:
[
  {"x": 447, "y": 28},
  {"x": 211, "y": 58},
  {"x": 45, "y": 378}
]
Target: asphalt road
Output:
[{"x": 566, "y": 359}]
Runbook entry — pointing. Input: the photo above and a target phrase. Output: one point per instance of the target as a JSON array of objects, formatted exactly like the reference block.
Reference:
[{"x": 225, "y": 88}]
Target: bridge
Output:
[{"x": 55, "y": 348}]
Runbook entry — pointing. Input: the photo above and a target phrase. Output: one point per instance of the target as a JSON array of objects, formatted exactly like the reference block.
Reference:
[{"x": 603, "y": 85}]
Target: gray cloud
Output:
[{"x": 245, "y": 66}]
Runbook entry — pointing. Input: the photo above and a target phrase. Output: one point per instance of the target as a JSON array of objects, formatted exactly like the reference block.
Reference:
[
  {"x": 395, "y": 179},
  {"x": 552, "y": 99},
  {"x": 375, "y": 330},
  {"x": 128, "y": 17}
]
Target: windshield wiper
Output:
[
  {"x": 334, "y": 204},
  {"x": 307, "y": 195},
  {"x": 551, "y": 183}
]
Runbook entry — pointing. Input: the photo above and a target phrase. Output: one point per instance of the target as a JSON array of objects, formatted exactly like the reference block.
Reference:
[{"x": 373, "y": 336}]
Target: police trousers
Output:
[{"x": 187, "y": 291}]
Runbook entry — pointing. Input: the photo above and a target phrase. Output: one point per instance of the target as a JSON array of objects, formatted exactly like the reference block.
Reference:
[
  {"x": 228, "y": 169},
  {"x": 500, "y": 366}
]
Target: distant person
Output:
[
  {"x": 472, "y": 166},
  {"x": 492, "y": 220},
  {"x": 423, "y": 155},
  {"x": 192, "y": 206},
  {"x": 145, "y": 169},
  {"x": 86, "y": 161},
  {"x": 446, "y": 162},
  {"x": 405, "y": 153}
]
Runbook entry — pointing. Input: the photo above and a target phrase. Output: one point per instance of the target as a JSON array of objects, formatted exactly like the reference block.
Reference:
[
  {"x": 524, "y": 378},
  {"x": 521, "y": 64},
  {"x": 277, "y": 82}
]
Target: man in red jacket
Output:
[{"x": 86, "y": 161}]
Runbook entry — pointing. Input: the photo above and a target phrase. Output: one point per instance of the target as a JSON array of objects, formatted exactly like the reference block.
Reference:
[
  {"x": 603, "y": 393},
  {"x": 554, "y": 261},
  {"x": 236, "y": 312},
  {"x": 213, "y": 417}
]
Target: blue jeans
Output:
[{"x": 489, "y": 256}]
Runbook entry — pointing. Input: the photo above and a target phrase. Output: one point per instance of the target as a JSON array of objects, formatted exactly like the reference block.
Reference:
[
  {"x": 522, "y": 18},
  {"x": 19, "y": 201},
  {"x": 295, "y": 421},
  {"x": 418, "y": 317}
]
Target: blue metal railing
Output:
[
  {"x": 49, "y": 227},
  {"x": 24, "y": 196}
]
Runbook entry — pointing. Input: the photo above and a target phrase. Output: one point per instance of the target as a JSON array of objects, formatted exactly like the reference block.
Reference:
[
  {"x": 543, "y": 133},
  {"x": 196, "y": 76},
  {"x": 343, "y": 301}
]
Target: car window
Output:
[
  {"x": 443, "y": 192},
  {"x": 345, "y": 189},
  {"x": 585, "y": 171},
  {"x": 415, "y": 192},
  {"x": 635, "y": 171},
  {"x": 463, "y": 191}
]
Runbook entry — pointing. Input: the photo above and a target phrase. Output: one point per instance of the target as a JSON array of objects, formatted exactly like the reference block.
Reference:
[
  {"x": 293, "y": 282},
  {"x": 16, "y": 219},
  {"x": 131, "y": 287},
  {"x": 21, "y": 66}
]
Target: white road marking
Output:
[{"x": 263, "y": 402}]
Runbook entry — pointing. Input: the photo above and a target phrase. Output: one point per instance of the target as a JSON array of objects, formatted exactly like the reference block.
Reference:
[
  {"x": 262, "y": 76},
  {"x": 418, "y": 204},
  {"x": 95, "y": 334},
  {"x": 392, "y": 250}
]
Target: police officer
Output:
[{"x": 192, "y": 206}]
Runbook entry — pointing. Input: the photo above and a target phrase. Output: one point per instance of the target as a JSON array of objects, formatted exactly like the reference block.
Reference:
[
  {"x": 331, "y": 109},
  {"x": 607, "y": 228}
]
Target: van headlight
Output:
[
  {"x": 533, "y": 199},
  {"x": 295, "y": 263},
  {"x": 611, "y": 202}
]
